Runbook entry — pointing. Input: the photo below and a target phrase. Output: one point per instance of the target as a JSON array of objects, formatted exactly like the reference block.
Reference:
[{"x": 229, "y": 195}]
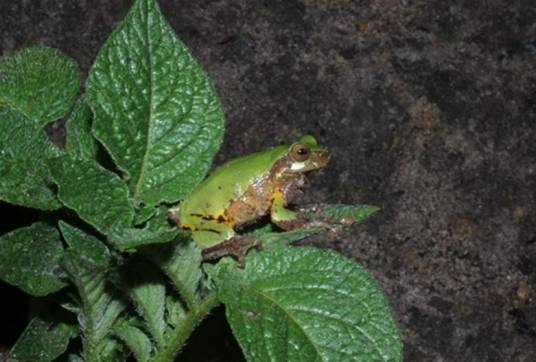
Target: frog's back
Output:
[{"x": 228, "y": 182}]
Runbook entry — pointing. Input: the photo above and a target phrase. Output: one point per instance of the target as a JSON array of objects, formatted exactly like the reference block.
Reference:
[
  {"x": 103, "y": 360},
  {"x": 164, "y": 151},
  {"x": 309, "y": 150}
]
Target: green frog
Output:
[{"x": 243, "y": 190}]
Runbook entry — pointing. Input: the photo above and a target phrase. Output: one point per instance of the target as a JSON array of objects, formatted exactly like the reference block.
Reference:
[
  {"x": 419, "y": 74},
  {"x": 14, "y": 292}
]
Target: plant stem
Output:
[{"x": 185, "y": 329}]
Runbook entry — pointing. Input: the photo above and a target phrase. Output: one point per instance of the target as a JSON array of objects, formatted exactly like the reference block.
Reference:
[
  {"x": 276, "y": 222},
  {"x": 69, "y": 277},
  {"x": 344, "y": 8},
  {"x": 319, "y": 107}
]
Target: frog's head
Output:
[{"x": 306, "y": 155}]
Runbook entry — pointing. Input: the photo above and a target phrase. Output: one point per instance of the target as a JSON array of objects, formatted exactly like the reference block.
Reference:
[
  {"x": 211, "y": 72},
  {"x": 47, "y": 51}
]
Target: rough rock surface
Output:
[{"x": 430, "y": 110}]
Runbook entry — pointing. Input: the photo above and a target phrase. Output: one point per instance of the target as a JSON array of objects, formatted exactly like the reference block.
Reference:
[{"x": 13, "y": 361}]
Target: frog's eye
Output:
[{"x": 300, "y": 152}]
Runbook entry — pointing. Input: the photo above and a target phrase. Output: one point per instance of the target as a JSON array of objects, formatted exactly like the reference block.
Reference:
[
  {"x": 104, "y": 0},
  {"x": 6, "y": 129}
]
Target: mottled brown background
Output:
[{"x": 429, "y": 108}]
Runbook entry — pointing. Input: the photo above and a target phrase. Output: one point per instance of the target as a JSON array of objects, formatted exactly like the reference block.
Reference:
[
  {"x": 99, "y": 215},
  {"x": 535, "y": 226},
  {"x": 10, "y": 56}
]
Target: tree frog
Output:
[{"x": 245, "y": 189}]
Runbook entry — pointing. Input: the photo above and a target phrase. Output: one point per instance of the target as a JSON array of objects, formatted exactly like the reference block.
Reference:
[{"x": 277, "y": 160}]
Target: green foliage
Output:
[
  {"x": 30, "y": 257},
  {"x": 41, "y": 83},
  {"x": 24, "y": 148},
  {"x": 135, "y": 339},
  {"x": 147, "y": 291},
  {"x": 87, "y": 261},
  {"x": 142, "y": 136},
  {"x": 160, "y": 120},
  {"x": 128, "y": 238},
  {"x": 43, "y": 341},
  {"x": 274, "y": 239},
  {"x": 351, "y": 213},
  {"x": 80, "y": 142},
  {"x": 98, "y": 196},
  {"x": 305, "y": 304},
  {"x": 180, "y": 261}
]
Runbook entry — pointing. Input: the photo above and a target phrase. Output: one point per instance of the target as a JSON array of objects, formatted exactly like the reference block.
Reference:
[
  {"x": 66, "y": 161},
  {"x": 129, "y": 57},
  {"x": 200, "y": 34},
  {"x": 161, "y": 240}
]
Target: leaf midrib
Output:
[{"x": 143, "y": 170}]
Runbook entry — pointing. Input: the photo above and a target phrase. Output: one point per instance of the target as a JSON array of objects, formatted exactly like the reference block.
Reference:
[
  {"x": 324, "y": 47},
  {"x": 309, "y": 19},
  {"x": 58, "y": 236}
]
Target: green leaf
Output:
[
  {"x": 30, "y": 257},
  {"x": 157, "y": 230},
  {"x": 135, "y": 339},
  {"x": 181, "y": 262},
  {"x": 160, "y": 219},
  {"x": 175, "y": 312},
  {"x": 39, "y": 82},
  {"x": 43, "y": 341},
  {"x": 27, "y": 183},
  {"x": 80, "y": 141},
  {"x": 21, "y": 138},
  {"x": 337, "y": 212},
  {"x": 112, "y": 351},
  {"x": 87, "y": 262},
  {"x": 97, "y": 195},
  {"x": 148, "y": 292},
  {"x": 277, "y": 239},
  {"x": 156, "y": 111},
  {"x": 143, "y": 214},
  {"x": 25, "y": 179},
  {"x": 86, "y": 246},
  {"x": 305, "y": 304},
  {"x": 128, "y": 238},
  {"x": 74, "y": 358}
]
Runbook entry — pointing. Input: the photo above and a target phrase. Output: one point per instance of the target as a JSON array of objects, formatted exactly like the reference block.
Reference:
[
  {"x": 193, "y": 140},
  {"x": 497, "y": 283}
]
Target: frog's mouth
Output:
[{"x": 320, "y": 159}]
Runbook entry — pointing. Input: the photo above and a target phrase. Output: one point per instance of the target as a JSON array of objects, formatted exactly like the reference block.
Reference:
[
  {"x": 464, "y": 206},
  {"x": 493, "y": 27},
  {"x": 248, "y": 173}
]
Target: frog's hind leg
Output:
[
  {"x": 219, "y": 239},
  {"x": 237, "y": 247},
  {"x": 209, "y": 233}
]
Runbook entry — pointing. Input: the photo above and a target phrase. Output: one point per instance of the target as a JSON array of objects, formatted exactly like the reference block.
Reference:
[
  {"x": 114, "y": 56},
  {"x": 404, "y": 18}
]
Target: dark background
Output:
[{"x": 429, "y": 109}]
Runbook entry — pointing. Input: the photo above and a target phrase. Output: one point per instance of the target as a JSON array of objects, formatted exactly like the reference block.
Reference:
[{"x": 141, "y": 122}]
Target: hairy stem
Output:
[{"x": 185, "y": 329}]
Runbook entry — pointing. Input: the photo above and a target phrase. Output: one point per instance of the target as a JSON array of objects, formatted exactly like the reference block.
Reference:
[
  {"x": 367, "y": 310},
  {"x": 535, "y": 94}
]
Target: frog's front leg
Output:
[{"x": 289, "y": 220}]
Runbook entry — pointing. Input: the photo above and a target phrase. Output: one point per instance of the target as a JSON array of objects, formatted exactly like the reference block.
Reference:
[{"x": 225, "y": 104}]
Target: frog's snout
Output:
[{"x": 322, "y": 158}]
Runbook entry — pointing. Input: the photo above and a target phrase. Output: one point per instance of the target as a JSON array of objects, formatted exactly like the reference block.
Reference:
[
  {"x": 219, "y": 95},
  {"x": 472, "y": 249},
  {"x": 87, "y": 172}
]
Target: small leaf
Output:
[
  {"x": 30, "y": 257},
  {"x": 175, "y": 311},
  {"x": 25, "y": 180},
  {"x": 128, "y": 238},
  {"x": 87, "y": 262},
  {"x": 148, "y": 292},
  {"x": 39, "y": 82},
  {"x": 43, "y": 341},
  {"x": 86, "y": 246},
  {"x": 27, "y": 183},
  {"x": 181, "y": 262},
  {"x": 135, "y": 339},
  {"x": 21, "y": 138},
  {"x": 74, "y": 358},
  {"x": 305, "y": 304},
  {"x": 157, "y": 230},
  {"x": 160, "y": 219},
  {"x": 156, "y": 111},
  {"x": 112, "y": 350},
  {"x": 97, "y": 195},
  {"x": 277, "y": 239},
  {"x": 80, "y": 141},
  {"x": 143, "y": 214},
  {"x": 350, "y": 213}
]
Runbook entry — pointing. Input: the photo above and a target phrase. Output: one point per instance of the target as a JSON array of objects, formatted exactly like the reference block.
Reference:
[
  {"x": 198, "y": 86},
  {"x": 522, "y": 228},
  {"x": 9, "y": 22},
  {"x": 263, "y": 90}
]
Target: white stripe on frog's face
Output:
[{"x": 296, "y": 166}]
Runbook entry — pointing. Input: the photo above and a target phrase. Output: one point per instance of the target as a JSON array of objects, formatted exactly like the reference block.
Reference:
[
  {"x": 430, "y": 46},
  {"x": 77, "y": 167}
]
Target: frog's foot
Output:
[{"x": 237, "y": 247}]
